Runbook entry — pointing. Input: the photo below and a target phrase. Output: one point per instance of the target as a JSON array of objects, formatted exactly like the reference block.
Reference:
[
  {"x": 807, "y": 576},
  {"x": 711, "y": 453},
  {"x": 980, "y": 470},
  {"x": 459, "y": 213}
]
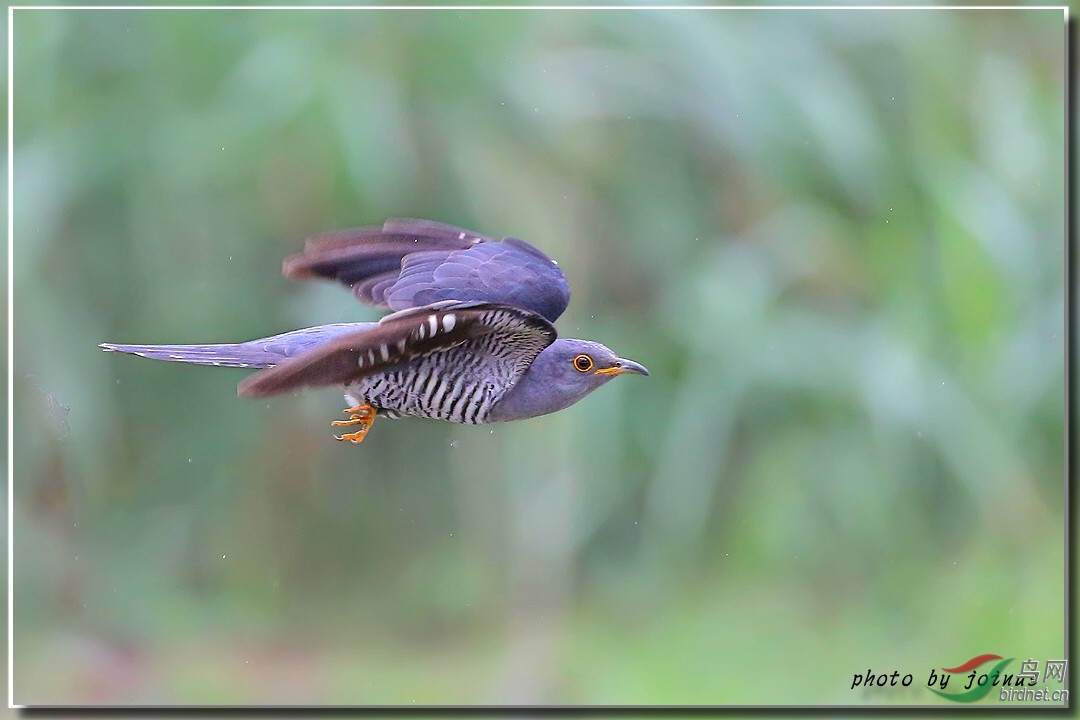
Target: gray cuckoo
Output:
[{"x": 470, "y": 339}]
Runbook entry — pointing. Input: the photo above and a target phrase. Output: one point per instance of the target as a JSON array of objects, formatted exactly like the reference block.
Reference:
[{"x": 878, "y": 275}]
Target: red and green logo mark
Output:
[{"x": 978, "y": 684}]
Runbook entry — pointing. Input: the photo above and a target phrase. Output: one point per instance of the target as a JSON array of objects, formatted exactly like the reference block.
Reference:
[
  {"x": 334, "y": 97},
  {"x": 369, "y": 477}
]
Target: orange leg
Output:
[{"x": 363, "y": 415}]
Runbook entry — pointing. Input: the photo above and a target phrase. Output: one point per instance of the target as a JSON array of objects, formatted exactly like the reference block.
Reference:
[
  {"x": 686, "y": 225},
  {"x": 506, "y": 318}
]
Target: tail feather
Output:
[
  {"x": 262, "y": 353},
  {"x": 238, "y": 355}
]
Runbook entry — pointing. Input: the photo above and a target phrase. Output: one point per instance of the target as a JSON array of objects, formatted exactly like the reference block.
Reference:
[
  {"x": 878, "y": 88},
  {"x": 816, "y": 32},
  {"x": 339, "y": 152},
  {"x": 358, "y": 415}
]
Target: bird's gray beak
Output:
[{"x": 622, "y": 366}]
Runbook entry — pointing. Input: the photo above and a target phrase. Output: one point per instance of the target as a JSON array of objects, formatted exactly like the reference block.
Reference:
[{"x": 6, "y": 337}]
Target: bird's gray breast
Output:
[{"x": 460, "y": 384}]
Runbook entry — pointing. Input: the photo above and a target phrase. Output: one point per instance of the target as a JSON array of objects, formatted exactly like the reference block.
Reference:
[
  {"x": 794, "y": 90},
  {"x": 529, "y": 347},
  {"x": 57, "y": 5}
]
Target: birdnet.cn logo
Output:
[{"x": 981, "y": 676}]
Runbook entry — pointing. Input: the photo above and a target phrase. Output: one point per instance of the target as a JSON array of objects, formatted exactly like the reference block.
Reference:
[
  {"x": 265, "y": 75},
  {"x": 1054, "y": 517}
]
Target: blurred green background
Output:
[{"x": 835, "y": 238}]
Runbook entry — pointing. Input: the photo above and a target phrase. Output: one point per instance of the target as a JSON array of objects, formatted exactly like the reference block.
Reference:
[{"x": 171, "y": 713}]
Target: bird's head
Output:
[
  {"x": 585, "y": 363},
  {"x": 566, "y": 371}
]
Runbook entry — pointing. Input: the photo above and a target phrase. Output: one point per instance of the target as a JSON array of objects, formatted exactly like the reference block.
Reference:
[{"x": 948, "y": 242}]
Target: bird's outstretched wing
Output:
[
  {"x": 516, "y": 336},
  {"x": 412, "y": 263}
]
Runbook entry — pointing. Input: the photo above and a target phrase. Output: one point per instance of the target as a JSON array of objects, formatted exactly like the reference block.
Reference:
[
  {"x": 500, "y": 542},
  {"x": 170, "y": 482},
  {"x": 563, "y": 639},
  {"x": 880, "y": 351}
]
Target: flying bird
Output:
[{"x": 470, "y": 338}]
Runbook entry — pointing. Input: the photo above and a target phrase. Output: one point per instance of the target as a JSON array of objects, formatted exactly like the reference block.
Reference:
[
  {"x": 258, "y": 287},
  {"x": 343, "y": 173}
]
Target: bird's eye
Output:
[{"x": 583, "y": 363}]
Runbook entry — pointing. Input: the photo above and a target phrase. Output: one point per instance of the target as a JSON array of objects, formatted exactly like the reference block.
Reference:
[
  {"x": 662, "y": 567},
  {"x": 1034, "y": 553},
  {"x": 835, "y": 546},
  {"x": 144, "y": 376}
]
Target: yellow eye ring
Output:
[{"x": 583, "y": 363}]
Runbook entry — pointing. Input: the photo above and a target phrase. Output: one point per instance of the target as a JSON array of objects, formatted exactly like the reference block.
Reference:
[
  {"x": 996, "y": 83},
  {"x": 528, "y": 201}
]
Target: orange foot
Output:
[{"x": 363, "y": 415}]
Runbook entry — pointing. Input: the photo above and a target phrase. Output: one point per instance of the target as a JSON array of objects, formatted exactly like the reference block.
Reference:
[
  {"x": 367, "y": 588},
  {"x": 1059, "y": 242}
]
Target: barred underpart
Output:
[
  {"x": 461, "y": 385},
  {"x": 450, "y": 360}
]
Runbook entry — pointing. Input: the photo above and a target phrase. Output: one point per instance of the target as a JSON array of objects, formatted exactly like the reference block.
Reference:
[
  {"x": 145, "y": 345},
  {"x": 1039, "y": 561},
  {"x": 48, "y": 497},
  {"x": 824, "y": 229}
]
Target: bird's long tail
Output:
[
  {"x": 261, "y": 353},
  {"x": 241, "y": 355}
]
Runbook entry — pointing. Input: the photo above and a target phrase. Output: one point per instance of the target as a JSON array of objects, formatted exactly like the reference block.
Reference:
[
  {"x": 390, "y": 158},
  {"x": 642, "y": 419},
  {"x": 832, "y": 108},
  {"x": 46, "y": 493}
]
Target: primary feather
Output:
[{"x": 413, "y": 263}]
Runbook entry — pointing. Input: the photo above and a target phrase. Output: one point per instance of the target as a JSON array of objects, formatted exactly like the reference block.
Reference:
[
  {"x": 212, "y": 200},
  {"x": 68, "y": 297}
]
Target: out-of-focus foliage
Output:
[{"x": 835, "y": 238}]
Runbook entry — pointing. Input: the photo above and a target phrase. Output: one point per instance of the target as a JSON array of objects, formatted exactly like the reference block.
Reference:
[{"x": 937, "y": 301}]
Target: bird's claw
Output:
[{"x": 363, "y": 415}]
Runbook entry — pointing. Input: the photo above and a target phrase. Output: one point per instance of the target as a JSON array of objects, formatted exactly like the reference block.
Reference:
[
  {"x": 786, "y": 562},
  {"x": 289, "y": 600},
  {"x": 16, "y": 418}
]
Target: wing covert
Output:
[
  {"x": 413, "y": 263},
  {"x": 403, "y": 337}
]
